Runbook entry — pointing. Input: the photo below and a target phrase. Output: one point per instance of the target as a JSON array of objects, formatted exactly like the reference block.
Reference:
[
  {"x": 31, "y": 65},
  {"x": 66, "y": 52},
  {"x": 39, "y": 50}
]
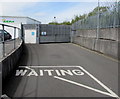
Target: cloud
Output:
[
  {"x": 66, "y": 14},
  {"x": 1, "y": 11},
  {"x": 21, "y": 0},
  {"x": 14, "y": 8},
  {"x": 39, "y": 14},
  {"x": 25, "y": 8},
  {"x": 51, "y": 0},
  {"x": 69, "y": 13}
]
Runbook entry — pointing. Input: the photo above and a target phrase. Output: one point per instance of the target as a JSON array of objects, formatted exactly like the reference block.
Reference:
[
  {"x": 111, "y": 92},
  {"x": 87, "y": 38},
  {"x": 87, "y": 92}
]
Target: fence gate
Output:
[
  {"x": 54, "y": 33},
  {"x": 44, "y": 33}
]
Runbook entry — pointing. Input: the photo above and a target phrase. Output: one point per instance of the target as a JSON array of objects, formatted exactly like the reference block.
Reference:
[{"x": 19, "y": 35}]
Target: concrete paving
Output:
[{"x": 62, "y": 70}]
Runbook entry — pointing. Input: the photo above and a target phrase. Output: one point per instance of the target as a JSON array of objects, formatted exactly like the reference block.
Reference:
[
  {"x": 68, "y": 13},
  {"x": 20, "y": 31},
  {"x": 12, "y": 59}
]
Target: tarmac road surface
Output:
[{"x": 63, "y": 70}]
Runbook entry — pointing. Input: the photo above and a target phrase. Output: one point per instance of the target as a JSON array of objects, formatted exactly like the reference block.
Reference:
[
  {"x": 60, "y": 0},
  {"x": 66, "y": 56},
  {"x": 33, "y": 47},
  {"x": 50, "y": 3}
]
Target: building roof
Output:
[{"x": 21, "y": 17}]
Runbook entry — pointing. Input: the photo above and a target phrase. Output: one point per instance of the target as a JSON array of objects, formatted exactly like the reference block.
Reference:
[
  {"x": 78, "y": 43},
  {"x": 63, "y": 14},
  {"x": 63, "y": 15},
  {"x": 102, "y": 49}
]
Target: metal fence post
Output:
[
  {"x": 116, "y": 13},
  {"x": 3, "y": 42},
  {"x": 38, "y": 33},
  {"x": 14, "y": 37},
  {"x": 40, "y": 30},
  {"x": 22, "y": 32},
  {"x": 98, "y": 23}
]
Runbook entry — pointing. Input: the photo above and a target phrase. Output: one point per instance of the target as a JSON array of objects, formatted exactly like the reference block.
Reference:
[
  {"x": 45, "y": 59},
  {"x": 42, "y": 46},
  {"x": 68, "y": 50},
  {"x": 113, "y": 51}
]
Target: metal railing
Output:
[{"x": 7, "y": 46}]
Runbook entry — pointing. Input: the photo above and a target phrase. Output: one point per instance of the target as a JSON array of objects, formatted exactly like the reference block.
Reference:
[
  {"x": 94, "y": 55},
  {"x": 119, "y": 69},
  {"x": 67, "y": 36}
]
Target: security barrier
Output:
[
  {"x": 100, "y": 32},
  {"x": 46, "y": 33}
]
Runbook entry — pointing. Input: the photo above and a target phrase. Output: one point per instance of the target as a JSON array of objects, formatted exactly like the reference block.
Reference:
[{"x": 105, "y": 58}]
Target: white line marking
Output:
[
  {"x": 99, "y": 82},
  {"x": 29, "y": 68},
  {"x": 93, "y": 89},
  {"x": 47, "y": 66}
]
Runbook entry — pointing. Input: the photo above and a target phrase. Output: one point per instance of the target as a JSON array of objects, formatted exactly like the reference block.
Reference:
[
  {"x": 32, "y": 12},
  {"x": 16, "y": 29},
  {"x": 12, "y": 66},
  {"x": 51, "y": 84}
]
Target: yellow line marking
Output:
[{"x": 97, "y": 53}]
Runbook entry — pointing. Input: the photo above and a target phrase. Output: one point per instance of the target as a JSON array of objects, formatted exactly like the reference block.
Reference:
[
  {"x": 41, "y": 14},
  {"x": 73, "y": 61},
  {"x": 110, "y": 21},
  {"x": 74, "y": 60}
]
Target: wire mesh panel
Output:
[
  {"x": 105, "y": 16},
  {"x": 109, "y": 18}
]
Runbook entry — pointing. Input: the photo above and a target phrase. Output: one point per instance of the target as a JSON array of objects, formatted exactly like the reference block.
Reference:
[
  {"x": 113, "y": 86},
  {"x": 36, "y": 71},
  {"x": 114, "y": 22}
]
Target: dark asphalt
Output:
[{"x": 62, "y": 54}]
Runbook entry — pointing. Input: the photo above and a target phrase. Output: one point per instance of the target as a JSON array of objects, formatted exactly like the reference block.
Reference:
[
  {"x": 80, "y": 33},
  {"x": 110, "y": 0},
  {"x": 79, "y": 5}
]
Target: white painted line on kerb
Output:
[
  {"x": 81, "y": 85},
  {"x": 99, "y": 82}
]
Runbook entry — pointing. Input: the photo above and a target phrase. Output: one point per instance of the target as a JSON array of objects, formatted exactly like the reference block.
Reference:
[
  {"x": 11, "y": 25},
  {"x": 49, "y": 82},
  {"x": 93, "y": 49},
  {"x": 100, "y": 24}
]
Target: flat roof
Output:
[{"x": 21, "y": 17}]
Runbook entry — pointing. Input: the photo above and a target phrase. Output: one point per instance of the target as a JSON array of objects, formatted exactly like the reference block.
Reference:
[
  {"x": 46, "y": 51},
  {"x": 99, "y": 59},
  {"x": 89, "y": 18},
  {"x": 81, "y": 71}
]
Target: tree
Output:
[
  {"x": 84, "y": 16},
  {"x": 63, "y": 23},
  {"x": 95, "y": 11},
  {"x": 54, "y": 23}
]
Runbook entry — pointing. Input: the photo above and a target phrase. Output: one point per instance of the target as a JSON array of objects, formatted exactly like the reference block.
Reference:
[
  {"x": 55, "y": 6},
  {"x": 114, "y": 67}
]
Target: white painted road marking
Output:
[
  {"x": 50, "y": 72},
  {"x": 99, "y": 82},
  {"x": 111, "y": 93},
  {"x": 46, "y": 66},
  {"x": 81, "y": 85}
]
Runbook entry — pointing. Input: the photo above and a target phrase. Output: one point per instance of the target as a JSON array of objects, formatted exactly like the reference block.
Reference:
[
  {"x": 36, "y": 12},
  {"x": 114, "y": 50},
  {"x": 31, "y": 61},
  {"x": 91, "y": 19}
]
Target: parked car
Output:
[{"x": 7, "y": 35}]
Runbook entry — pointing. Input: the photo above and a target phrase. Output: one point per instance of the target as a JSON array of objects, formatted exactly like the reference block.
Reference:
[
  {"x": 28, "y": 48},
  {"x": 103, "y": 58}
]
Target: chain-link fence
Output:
[
  {"x": 107, "y": 16},
  {"x": 10, "y": 38}
]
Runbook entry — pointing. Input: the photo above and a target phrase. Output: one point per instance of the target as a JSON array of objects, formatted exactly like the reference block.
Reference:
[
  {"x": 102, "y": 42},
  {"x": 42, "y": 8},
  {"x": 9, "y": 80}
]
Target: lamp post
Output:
[{"x": 55, "y": 20}]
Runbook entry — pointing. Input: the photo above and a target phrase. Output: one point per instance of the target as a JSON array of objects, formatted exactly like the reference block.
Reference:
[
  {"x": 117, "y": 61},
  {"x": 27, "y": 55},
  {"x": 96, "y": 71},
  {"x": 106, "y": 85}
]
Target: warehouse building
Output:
[
  {"x": 16, "y": 21},
  {"x": 35, "y": 32}
]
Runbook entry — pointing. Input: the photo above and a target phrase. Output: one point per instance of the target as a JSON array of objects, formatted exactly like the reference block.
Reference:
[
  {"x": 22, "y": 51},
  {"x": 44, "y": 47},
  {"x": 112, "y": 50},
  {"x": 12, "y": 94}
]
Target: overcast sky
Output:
[{"x": 46, "y": 11}]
